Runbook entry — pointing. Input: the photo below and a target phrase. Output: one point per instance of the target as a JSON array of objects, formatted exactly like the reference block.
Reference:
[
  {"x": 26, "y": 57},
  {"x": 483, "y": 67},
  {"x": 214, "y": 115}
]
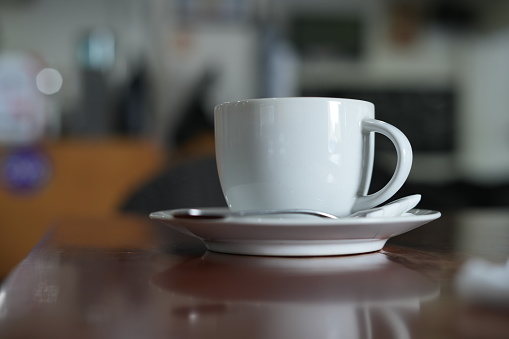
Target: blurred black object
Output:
[
  {"x": 427, "y": 116},
  {"x": 194, "y": 118},
  {"x": 134, "y": 104},
  {"x": 193, "y": 183},
  {"x": 449, "y": 196}
]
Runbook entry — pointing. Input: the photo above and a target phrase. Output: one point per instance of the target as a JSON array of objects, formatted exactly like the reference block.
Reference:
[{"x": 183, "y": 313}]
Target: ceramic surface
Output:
[
  {"x": 312, "y": 236},
  {"x": 313, "y": 153}
]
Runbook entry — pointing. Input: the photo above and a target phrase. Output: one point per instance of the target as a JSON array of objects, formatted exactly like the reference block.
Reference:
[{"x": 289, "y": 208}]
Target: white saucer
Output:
[{"x": 279, "y": 236}]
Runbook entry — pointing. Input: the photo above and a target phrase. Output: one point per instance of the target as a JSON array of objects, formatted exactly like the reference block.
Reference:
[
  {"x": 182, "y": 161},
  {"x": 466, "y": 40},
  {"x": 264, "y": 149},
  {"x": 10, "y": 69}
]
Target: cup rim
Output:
[{"x": 274, "y": 99}]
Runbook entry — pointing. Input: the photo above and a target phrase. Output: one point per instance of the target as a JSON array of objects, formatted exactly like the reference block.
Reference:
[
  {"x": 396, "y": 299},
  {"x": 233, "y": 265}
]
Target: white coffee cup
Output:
[{"x": 312, "y": 153}]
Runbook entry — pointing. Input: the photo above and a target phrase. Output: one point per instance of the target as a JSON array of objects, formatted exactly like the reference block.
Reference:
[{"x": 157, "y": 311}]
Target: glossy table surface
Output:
[{"x": 129, "y": 277}]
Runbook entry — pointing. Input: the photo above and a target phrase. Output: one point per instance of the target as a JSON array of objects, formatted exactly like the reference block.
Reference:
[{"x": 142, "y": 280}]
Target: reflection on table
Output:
[{"x": 350, "y": 296}]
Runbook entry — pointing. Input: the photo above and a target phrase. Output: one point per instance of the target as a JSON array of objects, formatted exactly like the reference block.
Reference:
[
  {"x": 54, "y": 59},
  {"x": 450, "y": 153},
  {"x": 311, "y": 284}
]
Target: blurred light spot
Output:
[
  {"x": 193, "y": 317},
  {"x": 49, "y": 81}
]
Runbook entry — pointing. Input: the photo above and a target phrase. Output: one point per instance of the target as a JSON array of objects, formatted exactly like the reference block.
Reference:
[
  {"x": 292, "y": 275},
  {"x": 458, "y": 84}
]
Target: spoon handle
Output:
[
  {"x": 285, "y": 211},
  {"x": 395, "y": 208},
  {"x": 196, "y": 213}
]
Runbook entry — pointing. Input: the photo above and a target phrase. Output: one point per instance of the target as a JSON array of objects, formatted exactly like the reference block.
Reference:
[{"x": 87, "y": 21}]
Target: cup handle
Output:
[{"x": 403, "y": 166}]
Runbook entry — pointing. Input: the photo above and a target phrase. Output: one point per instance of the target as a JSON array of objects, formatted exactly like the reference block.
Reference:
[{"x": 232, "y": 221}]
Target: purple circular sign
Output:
[{"x": 25, "y": 169}]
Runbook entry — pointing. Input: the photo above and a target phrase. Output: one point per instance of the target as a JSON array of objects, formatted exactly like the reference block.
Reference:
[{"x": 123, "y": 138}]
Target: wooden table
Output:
[{"x": 129, "y": 277}]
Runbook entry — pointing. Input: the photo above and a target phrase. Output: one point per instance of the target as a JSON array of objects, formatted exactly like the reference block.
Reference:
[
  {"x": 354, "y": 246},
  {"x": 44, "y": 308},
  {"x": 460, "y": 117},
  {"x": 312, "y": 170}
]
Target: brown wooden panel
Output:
[{"x": 88, "y": 177}]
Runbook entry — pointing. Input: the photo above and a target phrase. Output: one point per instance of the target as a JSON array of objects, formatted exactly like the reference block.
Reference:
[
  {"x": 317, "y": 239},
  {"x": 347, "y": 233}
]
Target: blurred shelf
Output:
[{"x": 331, "y": 74}]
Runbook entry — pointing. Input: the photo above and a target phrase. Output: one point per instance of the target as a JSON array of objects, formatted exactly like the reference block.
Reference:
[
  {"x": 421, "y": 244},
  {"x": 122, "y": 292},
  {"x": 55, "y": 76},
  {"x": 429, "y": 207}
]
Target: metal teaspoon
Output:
[{"x": 393, "y": 209}]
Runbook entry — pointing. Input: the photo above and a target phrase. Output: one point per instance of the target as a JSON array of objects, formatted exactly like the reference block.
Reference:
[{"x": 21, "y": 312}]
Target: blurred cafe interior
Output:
[{"x": 103, "y": 103}]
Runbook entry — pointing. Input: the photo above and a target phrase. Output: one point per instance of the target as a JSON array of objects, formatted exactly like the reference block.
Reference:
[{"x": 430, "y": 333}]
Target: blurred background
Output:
[{"x": 99, "y": 97}]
